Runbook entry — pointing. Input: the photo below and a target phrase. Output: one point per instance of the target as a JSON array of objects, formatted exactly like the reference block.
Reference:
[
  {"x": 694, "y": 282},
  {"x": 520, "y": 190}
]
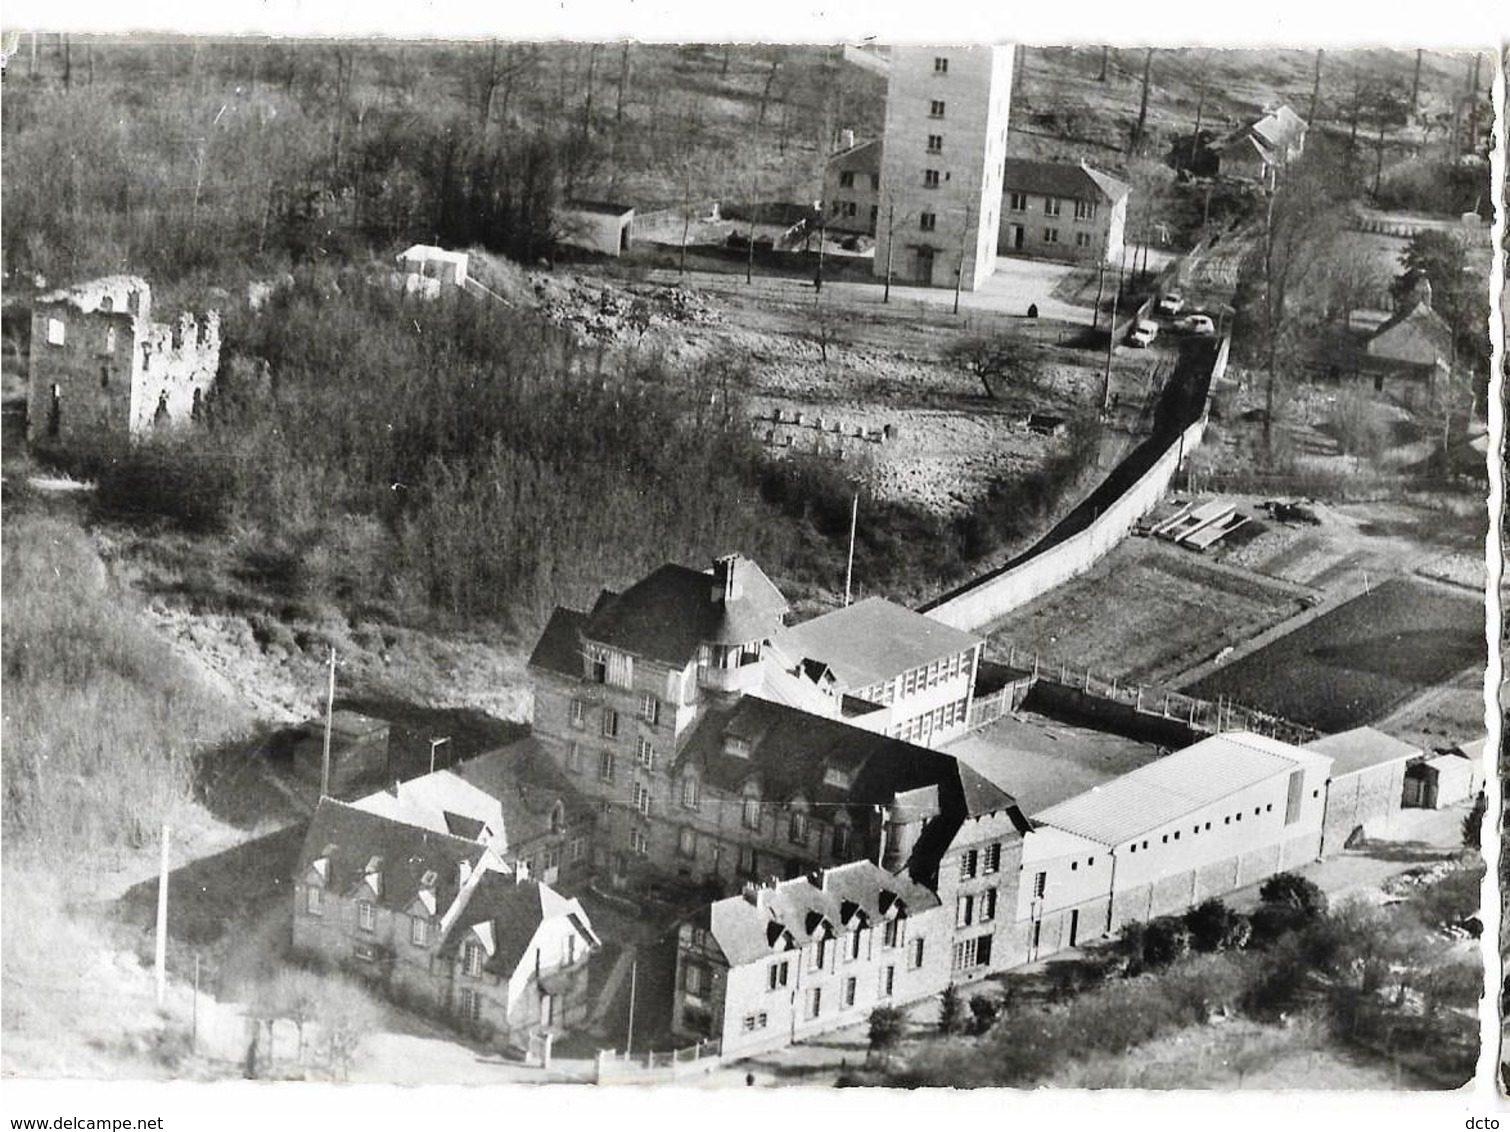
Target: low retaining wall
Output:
[{"x": 1058, "y": 559}]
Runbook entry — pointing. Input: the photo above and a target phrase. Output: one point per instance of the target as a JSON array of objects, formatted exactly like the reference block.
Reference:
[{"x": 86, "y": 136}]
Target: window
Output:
[
  {"x": 987, "y": 906},
  {"x": 748, "y": 861},
  {"x": 639, "y": 842},
  {"x": 796, "y": 831},
  {"x": 1017, "y": 202},
  {"x": 578, "y": 713},
  {"x": 814, "y": 1002},
  {"x": 776, "y": 977},
  {"x": 970, "y": 953},
  {"x": 650, "y": 708},
  {"x": 875, "y": 187},
  {"x": 110, "y": 340},
  {"x": 1051, "y": 235},
  {"x": 847, "y": 179},
  {"x": 1051, "y": 206},
  {"x": 841, "y": 841},
  {"x": 875, "y": 214},
  {"x": 57, "y": 334},
  {"x": 753, "y": 1022},
  {"x": 471, "y": 957},
  {"x": 964, "y": 911},
  {"x": 1040, "y": 885},
  {"x": 930, "y": 178},
  {"x": 1085, "y": 210},
  {"x": 689, "y": 793},
  {"x": 1082, "y": 239},
  {"x": 888, "y": 981},
  {"x": 419, "y": 932},
  {"x": 686, "y": 842},
  {"x": 365, "y": 918},
  {"x": 916, "y": 953},
  {"x": 644, "y": 753},
  {"x": 993, "y": 858},
  {"x": 751, "y": 814},
  {"x": 312, "y": 900},
  {"x": 605, "y": 766},
  {"x": 692, "y": 979},
  {"x": 850, "y": 208},
  {"x": 610, "y": 723},
  {"x": 935, "y": 143},
  {"x": 940, "y": 65},
  {"x": 471, "y": 1004},
  {"x": 640, "y": 794},
  {"x": 851, "y": 985},
  {"x": 576, "y": 849},
  {"x": 891, "y": 933},
  {"x": 927, "y": 221},
  {"x": 936, "y": 108},
  {"x": 852, "y": 948},
  {"x": 967, "y": 864},
  {"x": 574, "y": 758}
]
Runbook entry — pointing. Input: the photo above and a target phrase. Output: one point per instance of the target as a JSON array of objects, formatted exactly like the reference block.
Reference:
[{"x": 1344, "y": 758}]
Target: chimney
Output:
[
  {"x": 726, "y": 587},
  {"x": 752, "y": 894}
]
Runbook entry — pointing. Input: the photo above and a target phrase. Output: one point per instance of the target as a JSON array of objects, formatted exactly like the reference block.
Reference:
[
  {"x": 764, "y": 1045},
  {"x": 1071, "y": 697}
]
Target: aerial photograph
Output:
[{"x": 740, "y": 566}]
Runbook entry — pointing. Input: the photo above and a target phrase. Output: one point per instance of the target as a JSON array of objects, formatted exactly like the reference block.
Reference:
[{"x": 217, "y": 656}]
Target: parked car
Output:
[
  {"x": 1171, "y": 303},
  {"x": 1195, "y": 324},
  {"x": 1144, "y": 331}
]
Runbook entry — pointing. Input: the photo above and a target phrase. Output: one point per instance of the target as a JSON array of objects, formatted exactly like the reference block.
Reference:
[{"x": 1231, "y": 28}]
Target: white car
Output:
[
  {"x": 1195, "y": 324},
  {"x": 1172, "y": 303},
  {"x": 1144, "y": 331}
]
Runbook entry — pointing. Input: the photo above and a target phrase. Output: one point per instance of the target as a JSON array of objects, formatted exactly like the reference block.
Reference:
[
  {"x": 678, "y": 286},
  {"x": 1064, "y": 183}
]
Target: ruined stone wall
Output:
[{"x": 178, "y": 365}]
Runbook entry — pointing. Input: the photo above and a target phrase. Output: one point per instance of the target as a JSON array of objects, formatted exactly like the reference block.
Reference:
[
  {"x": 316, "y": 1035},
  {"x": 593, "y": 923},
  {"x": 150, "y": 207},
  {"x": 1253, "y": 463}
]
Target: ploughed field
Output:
[{"x": 1356, "y": 664}]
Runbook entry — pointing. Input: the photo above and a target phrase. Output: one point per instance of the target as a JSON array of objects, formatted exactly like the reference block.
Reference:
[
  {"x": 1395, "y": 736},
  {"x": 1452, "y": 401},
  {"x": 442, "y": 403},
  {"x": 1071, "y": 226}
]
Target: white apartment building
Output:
[{"x": 941, "y": 169}]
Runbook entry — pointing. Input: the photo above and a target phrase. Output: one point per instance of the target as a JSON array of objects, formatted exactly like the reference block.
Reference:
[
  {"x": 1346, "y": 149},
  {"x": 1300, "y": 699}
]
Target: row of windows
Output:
[
  {"x": 970, "y": 953},
  {"x": 1082, "y": 239},
  {"x": 975, "y": 908},
  {"x": 922, "y": 726},
  {"x": 1084, "y": 209},
  {"x": 608, "y": 723},
  {"x": 847, "y": 180},
  {"x": 975, "y": 862},
  {"x": 1258, "y": 811}
]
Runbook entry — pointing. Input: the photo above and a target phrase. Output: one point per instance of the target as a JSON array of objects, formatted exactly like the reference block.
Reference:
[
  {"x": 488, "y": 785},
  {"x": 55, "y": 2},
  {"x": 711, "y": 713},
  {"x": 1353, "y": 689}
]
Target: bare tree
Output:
[{"x": 1137, "y": 133}]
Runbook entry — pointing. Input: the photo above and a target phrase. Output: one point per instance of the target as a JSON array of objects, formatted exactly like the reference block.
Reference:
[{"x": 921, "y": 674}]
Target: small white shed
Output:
[
  {"x": 429, "y": 262},
  {"x": 597, "y": 226}
]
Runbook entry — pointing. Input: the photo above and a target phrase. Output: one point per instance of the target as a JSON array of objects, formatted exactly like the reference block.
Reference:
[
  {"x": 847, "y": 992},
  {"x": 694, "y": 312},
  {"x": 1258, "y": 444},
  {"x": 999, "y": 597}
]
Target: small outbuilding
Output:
[
  {"x": 358, "y": 750},
  {"x": 1445, "y": 779},
  {"x": 596, "y": 226},
  {"x": 1367, "y": 785},
  {"x": 429, "y": 262}
]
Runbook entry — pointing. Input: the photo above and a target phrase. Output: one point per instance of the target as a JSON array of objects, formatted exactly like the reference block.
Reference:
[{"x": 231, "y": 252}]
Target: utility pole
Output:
[
  {"x": 964, "y": 242},
  {"x": 818, "y": 279},
  {"x": 849, "y": 569},
  {"x": 1111, "y": 337},
  {"x": 1195, "y": 139},
  {"x": 1100, "y": 286},
  {"x": 634, "y": 971},
  {"x": 1316, "y": 88},
  {"x": 891, "y": 216},
  {"x": 433, "y": 744},
  {"x": 162, "y": 919},
  {"x": 1415, "y": 84},
  {"x": 330, "y": 703}
]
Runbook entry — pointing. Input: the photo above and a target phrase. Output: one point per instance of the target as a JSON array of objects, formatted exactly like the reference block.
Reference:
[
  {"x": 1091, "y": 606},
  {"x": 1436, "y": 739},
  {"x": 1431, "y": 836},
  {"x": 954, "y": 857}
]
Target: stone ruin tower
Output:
[{"x": 101, "y": 369}]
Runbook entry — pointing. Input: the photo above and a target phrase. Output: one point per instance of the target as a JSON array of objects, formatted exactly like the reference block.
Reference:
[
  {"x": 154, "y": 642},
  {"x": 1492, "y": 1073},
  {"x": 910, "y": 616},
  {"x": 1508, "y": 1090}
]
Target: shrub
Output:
[
  {"x": 984, "y": 1010},
  {"x": 951, "y": 1012},
  {"x": 886, "y": 1026},
  {"x": 1166, "y": 940},
  {"x": 1209, "y": 924},
  {"x": 1291, "y": 890}
]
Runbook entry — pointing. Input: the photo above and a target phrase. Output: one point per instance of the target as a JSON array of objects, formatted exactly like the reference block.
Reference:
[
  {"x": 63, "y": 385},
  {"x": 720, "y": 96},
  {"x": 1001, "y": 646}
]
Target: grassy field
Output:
[
  {"x": 1360, "y": 661},
  {"x": 1144, "y": 612}
]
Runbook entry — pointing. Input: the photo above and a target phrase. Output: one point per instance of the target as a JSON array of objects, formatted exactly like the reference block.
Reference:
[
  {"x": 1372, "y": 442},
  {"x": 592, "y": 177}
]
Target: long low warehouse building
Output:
[
  {"x": 1215, "y": 817},
  {"x": 1367, "y": 789}
]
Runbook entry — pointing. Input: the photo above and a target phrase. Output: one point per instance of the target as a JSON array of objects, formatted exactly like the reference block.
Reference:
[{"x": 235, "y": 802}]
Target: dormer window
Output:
[
  {"x": 736, "y": 746},
  {"x": 837, "y": 777},
  {"x": 472, "y": 954},
  {"x": 366, "y": 918},
  {"x": 314, "y": 900},
  {"x": 373, "y": 876},
  {"x": 558, "y": 818},
  {"x": 751, "y": 814}
]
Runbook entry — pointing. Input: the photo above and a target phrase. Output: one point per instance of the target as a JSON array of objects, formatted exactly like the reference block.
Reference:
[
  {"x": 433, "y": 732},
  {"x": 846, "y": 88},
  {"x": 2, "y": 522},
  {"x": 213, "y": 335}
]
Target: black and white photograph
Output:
[{"x": 730, "y": 565}]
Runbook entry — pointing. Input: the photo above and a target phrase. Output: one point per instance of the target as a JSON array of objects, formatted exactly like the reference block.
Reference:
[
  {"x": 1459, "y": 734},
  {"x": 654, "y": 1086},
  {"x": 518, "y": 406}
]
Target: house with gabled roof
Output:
[
  {"x": 549, "y": 823},
  {"x": 1062, "y": 210},
  {"x": 792, "y": 960},
  {"x": 1414, "y": 343},
  {"x": 852, "y": 188},
  {"x": 1259, "y": 150},
  {"x": 396, "y": 903}
]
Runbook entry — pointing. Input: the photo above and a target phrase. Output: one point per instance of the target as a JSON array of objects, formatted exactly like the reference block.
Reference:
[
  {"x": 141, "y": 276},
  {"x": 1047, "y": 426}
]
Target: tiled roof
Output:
[
  {"x": 863, "y": 157},
  {"x": 874, "y": 640},
  {"x": 795, "y": 912},
  {"x": 527, "y": 785},
  {"x": 668, "y": 615},
  {"x": 1360, "y": 748},
  {"x": 1165, "y": 791},
  {"x": 347, "y": 839},
  {"x": 559, "y": 648},
  {"x": 513, "y": 911},
  {"x": 1061, "y": 179},
  {"x": 1416, "y": 334}
]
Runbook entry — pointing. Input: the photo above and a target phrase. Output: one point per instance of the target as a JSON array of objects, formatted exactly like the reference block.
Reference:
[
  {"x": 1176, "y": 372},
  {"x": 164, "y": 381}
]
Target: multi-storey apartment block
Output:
[{"x": 941, "y": 166}]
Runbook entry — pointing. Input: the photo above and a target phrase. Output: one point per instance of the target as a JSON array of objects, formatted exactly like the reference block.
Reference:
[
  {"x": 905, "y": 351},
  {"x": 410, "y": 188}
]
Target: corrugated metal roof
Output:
[
  {"x": 874, "y": 640},
  {"x": 1361, "y": 748},
  {"x": 1165, "y": 791}
]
